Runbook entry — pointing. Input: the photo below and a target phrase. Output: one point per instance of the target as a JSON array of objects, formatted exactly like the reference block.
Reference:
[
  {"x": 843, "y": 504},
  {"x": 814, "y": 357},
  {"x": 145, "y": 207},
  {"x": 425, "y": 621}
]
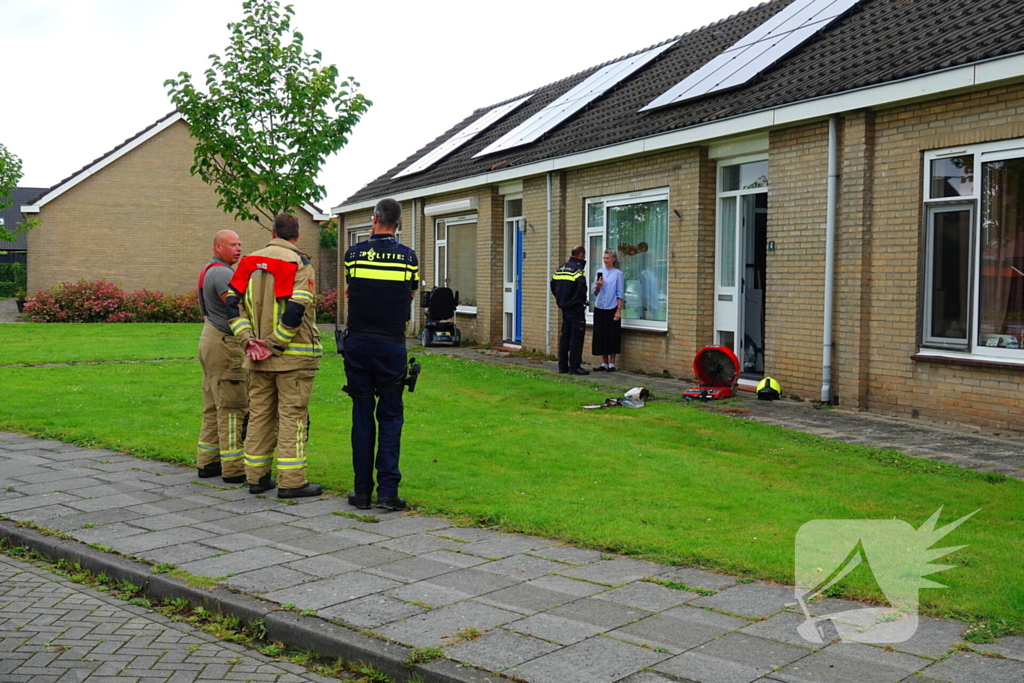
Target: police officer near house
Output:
[
  {"x": 381, "y": 279},
  {"x": 273, "y": 314},
  {"x": 569, "y": 285},
  {"x": 225, "y": 381}
]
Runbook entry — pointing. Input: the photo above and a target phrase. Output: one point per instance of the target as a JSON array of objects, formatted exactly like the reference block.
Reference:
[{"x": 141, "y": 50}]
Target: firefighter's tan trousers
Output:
[
  {"x": 278, "y": 418},
  {"x": 225, "y": 401}
]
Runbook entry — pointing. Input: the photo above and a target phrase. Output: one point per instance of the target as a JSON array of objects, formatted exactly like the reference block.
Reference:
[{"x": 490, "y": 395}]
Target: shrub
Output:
[
  {"x": 13, "y": 279},
  {"x": 327, "y": 306},
  {"x": 329, "y": 234},
  {"x": 104, "y": 302}
]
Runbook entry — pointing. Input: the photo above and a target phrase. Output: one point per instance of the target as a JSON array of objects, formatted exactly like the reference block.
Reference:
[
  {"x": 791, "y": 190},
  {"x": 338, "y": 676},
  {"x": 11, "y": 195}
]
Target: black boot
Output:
[
  {"x": 301, "y": 492},
  {"x": 265, "y": 484},
  {"x": 210, "y": 471}
]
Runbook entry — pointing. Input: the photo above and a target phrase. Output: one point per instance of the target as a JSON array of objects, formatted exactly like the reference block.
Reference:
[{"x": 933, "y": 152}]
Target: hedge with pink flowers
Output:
[{"x": 100, "y": 301}]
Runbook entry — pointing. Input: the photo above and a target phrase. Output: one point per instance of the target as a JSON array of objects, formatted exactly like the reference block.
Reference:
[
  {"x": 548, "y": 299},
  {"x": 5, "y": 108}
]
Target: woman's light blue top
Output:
[{"x": 611, "y": 290}]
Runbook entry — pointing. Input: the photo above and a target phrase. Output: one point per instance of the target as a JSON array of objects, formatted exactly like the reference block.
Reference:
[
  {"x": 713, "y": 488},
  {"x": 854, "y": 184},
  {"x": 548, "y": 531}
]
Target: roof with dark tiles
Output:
[
  {"x": 12, "y": 216},
  {"x": 876, "y": 42}
]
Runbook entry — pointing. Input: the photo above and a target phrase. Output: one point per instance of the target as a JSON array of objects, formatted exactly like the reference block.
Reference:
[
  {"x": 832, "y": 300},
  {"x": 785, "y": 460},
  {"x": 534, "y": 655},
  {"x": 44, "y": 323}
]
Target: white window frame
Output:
[
  {"x": 357, "y": 233},
  {"x": 439, "y": 278},
  {"x": 973, "y": 349},
  {"x": 624, "y": 199}
]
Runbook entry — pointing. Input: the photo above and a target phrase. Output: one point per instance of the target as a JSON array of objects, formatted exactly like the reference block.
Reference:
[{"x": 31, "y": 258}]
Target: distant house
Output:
[
  {"x": 832, "y": 188},
  {"x": 16, "y": 251},
  {"x": 137, "y": 217}
]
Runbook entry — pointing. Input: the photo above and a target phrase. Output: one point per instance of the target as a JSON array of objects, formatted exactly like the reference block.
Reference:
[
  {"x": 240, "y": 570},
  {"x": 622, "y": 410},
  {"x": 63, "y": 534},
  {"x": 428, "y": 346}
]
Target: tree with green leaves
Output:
[
  {"x": 10, "y": 175},
  {"x": 269, "y": 117}
]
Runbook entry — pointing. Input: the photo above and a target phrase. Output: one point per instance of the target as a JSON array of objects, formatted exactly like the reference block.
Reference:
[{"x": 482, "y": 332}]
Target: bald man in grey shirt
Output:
[{"x": 225, "y": 383}]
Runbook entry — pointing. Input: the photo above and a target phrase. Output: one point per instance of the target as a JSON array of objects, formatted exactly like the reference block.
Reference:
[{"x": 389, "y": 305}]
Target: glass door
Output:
[
  {"x": 741, "y": 262},
  {"x": 512, "y": 284}
]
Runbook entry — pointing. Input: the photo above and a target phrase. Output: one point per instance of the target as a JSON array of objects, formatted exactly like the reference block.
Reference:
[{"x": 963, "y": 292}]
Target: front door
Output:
[
  {"x": 512, "y": 285},
  {"x": 741, "y": 262}
]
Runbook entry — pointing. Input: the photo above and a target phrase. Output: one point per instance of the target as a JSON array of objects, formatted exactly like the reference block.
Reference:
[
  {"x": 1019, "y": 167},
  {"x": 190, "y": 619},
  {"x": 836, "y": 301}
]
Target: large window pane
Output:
[
  {"x": 745, "y": 176},
  {"x": 952, "y": 177},
  {"x": 640, "y": 234},
  {"x": 1001, "y": 254},
  {"x": 948, "y": 289},
  {"x": 595, "y": 261},
  {"x": 462, "y": 262}
]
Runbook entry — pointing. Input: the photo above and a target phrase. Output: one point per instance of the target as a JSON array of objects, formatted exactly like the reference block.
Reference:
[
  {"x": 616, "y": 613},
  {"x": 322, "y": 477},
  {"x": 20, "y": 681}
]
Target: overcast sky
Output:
[{"x": 81, "y": 76}]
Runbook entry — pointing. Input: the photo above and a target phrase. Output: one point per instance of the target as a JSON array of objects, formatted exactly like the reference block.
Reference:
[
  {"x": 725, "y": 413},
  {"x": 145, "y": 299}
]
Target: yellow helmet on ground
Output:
[{"x": 768, "y": 389}]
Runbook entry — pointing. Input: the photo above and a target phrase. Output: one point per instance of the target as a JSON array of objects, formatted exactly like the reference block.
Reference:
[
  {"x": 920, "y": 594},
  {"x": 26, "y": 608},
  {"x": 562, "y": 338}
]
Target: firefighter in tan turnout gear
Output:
[
  {"x": 225, "y": 381},
  {"x": 273, "y": 315}
]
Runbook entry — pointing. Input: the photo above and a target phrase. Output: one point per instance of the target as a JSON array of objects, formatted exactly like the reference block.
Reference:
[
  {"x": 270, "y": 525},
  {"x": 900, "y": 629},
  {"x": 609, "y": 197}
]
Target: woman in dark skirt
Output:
[{"x": 608, "y": 302}]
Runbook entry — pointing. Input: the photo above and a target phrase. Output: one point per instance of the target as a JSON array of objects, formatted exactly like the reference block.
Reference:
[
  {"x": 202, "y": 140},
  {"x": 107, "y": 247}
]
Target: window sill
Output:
[
  {"x": 466, "y": 310},
  {"x": 964, "y": 358},
  {"x": 661, "y": 329}
]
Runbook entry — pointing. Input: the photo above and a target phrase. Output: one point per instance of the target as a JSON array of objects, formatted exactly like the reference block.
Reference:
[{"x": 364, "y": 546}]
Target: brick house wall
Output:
[
  {"x": 142, "y": 221},
  {"x": 878, "y": 281}
]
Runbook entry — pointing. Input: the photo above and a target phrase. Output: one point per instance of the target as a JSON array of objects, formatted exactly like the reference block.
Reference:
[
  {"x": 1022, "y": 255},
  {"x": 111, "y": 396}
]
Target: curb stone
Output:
[{"x": 294, "y": 630}]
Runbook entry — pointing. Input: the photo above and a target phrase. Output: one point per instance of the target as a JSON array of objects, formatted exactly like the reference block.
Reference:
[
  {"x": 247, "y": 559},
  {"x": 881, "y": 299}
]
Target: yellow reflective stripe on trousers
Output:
[
  {"x": 203, "y": 446},
  {"x": 231, "y": 455},
  {"x": 300, "y": 449},
  {"x": 258, "y": 460}
]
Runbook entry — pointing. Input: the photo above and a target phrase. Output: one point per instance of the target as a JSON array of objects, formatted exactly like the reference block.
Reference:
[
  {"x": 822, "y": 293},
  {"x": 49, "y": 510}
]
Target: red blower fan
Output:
[{"x": 718, "y": 368}]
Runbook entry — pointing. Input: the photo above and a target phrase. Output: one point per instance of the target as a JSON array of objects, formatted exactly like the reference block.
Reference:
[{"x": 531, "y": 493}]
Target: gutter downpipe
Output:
[
  {"x": 547, "y": 299},
  {"x": 830, "y": 255}
]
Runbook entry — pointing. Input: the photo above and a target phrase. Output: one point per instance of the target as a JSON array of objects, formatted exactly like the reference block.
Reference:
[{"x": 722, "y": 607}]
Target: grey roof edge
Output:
[{"x": 514, "y": 173}]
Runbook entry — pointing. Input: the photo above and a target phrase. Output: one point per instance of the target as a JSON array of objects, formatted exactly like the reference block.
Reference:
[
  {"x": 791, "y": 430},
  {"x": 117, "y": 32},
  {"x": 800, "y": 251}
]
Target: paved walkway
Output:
[
  {"x": 9, "y": 311},
  {"x": 548, "y": 612},
  {"x": 55, "y": 631}
]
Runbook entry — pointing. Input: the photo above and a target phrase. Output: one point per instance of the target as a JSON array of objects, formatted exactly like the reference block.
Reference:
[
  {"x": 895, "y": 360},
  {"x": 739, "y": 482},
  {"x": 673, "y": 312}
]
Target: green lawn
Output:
[{"x": 512, "y": 446}]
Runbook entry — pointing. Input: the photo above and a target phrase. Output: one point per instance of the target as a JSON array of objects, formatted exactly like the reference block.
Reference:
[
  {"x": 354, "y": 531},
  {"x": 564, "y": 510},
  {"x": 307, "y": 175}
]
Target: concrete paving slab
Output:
[
  {"x": 447, "y": 557},
  {"x": 852, "y": 663},
  {"x": 433, "y": 628},
  {"x": 499, "y": 650},
  {"x": 360, "y": 537},
  {"x": 411, "y": 569},
  {"x": 323, "y": 566},
  {"x": 525, "y": 598},
  {"x": 322, "y": 523},
  {"x": 781, "y": 627},
  {"x": 327, "y": 592},
  {"x": 78, "y": 520},
  {"x": 370, "y": 611},
  {"x": 267, "y": 580},
  {"x": 733, "y": 658},
  {"x": 658, "y": 677},
  {"x": 521, "y": 567},
  {"x": 698, "y": 578},
  {"x": 44, "y": 517},
  {"x": 1011, "y": 647},
  {"x": 120, "y": 500},
  {"x": 561, "y": 584},
  {"x": 72, "y": 484},
  {"x": 674, "y": 636},
  {"x": 500, "y": 547},
  {"x": 408, "y": 524},
  {"x": 129, "y": 545},
  {"x": 244, "y": 523},
  {"x": 974, "y": 668},
  {"x": 236, "y": 542},
  {"x": 607, "y": 615},
  {"x": 616, "y": 571},
  {"x": 38, "y": 501},
  {"x": 749, "y": 599},
  {"x": 596, "y": 660},
  {"x": 280, "y": 534},
  {"x": 568, "y": 554},
  {"x": 238, "y": 562},
  {"x": 178, "y": 554},
  {"x": 368, "y": 555},
  {"x": 418, "y": 544},
  {"x": 107, "y": 532},
  {"x": 647, "y": 596},
  {"x": 934, "y": 638},
  {"x": 469, "y": 534},
  {"x": 319, "y": 544}
]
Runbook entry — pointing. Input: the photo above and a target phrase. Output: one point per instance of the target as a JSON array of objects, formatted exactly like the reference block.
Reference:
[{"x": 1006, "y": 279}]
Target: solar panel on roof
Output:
[
  {"x": 460, "y": 138},
  {"x": 756, "y": 51},
  {"x": 571, "y": 102}
]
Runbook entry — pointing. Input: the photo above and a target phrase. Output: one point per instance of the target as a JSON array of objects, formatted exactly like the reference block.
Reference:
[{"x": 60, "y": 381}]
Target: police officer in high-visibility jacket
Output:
[
  {"x": 381, "y": 279},
  {"x": 225, "y": 381},
  {"x": 273, "y": 314},
  {"x": 569, "y": 286}
]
